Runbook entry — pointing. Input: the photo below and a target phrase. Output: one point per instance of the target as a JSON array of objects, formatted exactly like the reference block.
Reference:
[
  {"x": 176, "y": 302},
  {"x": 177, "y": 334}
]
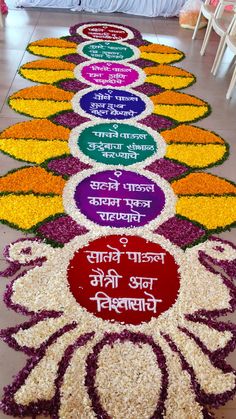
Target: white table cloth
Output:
[{"x": 149, "y": 8}]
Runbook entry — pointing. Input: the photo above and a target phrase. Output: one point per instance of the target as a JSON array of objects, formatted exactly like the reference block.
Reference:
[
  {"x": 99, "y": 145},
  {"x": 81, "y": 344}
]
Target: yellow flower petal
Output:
[
  {"x": 46, "y": 76},
  {"x": 181, "y": 113},
  {"x": 196, "y": 155},
  {"x": 39, "y": 108},
  {"x": 34, "y": 151},
  {"x": 160, "y": 58},
  {"x": 26, "y": 211},
  {"x": 52, "y": 52},
  {"x": 170, "y": 82},
  {"x": 212, "y": 212}
]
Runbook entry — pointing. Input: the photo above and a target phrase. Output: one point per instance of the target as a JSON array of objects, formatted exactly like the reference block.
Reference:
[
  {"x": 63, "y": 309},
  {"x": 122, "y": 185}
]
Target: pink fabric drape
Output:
[{"x": 3, "y": 7}]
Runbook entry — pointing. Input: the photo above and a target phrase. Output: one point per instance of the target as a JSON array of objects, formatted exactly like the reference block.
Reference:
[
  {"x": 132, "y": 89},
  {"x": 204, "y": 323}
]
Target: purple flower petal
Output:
[
  {"x": 149, "y": 89},
  {"x": 180, "y": 232},
  {"x": 74, "y": 58},
  {"x": 72, "y": 85},
  {"x": 61, "y": 230},
  {"x": 157, "y": 122},
  {"x": 67, "y": 166},
  {"x": 69, "y": 119},
  {"x": 167, "y": 169}
]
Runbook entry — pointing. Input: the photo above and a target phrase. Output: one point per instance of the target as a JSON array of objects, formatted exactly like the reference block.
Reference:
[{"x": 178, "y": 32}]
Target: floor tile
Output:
[
  {"x": 8, "y": 163},
  {"x": 21, "y": 18},
  {"x": 9, "y": 235},
  {"x": 225, "y": 414},
  {"x": 16, "y": 39}
]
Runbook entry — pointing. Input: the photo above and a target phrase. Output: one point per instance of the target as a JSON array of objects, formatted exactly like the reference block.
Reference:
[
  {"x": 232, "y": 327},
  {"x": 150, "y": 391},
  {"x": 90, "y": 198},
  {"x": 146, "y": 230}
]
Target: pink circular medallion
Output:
[{"x": 110, "y": 74}]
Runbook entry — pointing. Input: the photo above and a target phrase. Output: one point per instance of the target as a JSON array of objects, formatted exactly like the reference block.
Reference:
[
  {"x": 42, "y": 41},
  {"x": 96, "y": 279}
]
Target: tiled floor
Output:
[{"x": 24, "y": 26}]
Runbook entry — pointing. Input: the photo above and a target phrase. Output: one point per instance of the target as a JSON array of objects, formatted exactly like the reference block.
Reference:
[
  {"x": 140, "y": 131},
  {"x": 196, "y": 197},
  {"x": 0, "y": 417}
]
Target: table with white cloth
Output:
[{"x": 149, "y": 8}]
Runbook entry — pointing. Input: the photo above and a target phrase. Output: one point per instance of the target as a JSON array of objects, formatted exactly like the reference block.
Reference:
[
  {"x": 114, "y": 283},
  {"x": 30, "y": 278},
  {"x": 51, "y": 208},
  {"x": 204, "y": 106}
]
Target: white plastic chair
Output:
[
  {"x": 221, "y": 26},
  {"x": 229, "y": 41},
  {"x": 219, "y": 22},
  {"x": 207, "y": 10}
]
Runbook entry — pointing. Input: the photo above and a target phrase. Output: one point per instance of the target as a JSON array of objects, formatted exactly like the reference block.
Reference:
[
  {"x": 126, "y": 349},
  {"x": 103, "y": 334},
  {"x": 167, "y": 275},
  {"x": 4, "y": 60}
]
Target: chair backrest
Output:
[
  {"x": 222, "y": 6},
  {"x": 232, "y": 27}
]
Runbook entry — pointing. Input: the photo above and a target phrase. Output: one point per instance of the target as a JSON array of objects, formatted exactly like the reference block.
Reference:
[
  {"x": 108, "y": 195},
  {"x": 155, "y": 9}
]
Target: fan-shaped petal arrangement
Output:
[
  {"x": 31, "y": 196},
  {"x": 50, "y": 71},
  {"x": 35, "y": 141},
  {"x": 46, "y": 101},
  {"x": 58, "y": 48},
  {"x": 52, "y": 47},
  {"x": 85, "y": 358}
]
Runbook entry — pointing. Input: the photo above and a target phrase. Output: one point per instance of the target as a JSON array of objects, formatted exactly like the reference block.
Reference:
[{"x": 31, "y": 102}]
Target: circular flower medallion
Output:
[
  {"x": 116, "y": 143},
  {"x": 109, "y": 74},
  {"x": 105, "y": 32},
  {"x": 110, "y": 51},
  {"x": 124, "y": 278},
  {"x": 118, "y": 198},
  {"x": 114, "y": 103}
]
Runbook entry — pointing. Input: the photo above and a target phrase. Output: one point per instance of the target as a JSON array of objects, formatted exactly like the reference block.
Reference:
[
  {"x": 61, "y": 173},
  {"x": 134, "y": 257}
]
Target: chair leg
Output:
[
  {"x": 206, "y": 37},
  {"x": 197, "y": 25},
  {"x": 218, "y": 55},
  {"x": 219, "y": 58},
  {"x": 231, "y": 85}
]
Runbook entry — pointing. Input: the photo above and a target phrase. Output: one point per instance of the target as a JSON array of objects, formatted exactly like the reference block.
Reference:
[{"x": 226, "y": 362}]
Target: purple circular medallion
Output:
[
  {"x": 111, "y": 104},
  {"x": 119, "y": 198}
]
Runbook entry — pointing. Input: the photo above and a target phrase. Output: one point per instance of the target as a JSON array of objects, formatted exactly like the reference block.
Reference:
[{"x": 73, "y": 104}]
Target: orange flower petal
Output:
[
  {"x": 191, "y": 134},
  {"x": 164, "y": 49},
  {"x": 204, "y": 184},
  {"x": 43, "y": 92},
  {"x": 32, "y": 179},
  {"x": 36, "y": 129},
  {"x": 54, "y": 42},
  {"x": 173, "y": 98},
  {"x": 167, "y": 70},
  {"x": 52, "y": 64}
]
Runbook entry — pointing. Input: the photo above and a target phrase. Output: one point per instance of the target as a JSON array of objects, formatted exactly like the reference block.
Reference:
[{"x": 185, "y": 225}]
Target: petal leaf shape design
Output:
[
  {"x": 169, "y": 77},
  {"x": 161, "y": 54},
  {"x": 40, "y": 101},
  {"x": 35, "y": 141},
  {"x": 47, "y": 71},
  {"x": 180, "y": 106},
  {"x": 52, "y": 47}
]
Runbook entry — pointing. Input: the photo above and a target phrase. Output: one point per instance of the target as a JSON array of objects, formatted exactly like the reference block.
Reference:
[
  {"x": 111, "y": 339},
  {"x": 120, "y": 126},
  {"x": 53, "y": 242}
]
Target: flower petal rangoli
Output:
[{"x": 124, "y": 283}]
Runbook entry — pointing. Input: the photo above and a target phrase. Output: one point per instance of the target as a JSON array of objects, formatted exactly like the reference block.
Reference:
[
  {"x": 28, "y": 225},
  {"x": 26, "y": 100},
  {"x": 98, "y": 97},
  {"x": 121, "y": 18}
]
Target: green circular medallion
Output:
[
  {"x": 111, "y": 143},
  {"x": 109, "y": 51}
]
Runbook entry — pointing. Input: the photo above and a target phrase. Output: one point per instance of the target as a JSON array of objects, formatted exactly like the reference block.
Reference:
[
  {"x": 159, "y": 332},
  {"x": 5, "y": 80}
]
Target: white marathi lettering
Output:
[
  {"x": 134, "y": 216},
  {"x": 142, "y": 282},
  {"x": 113, "y": 185},
  {"x": 96, "y": 256},
  {"x": 137, "y": 203},
  {"x": 139, "y": 187},
  {"x": 105, "y": 302},
  {"x": 110, "y": 202},
  {"x": 148, "y": 257},
  {"x": 105, "y": 280}
]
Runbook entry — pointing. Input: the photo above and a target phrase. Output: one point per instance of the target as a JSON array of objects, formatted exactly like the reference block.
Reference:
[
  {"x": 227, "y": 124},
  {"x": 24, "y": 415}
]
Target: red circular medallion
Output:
[
  {"x": 124, "y": 278},
  {"x": 105, "y": 32}
]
